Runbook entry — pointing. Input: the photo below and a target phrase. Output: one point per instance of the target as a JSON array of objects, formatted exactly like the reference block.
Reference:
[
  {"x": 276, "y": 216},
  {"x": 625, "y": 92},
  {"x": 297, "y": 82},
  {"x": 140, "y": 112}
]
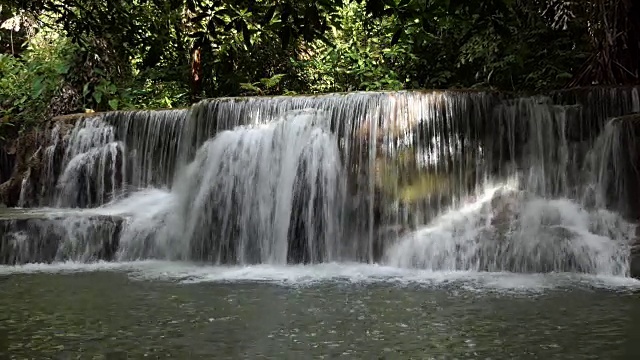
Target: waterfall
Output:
[
  {"x": 259, "y": 194},
  {"x": 107, "y": 155},
  {"x": 151, "y": 140},
  {"x": 58, "y": 236},
  {"x": 441, "y": 180},
  {"x": 596, "y": 105},
  {"x": 540, "y": 219},
  {"x": 613, "y": 167},
  {"x": 91, "y": 170}
]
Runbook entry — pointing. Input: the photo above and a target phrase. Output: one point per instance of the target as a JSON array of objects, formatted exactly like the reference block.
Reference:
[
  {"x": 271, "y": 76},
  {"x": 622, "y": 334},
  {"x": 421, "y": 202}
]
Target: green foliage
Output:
[
  {"x": 155, "y": 94},
  {"x": 266, "y": 86},
  {"x": 54, "y": 76},
  {"x": 92, "y": 54},
  {"x": 27, "y": 84},
  {"x": 498, "y": 44},
  {"x": 360, "y": 55}
]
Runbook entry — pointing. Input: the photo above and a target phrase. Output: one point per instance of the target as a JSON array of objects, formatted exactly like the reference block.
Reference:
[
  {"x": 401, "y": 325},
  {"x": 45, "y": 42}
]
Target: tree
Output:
[{"x": 152, "y": 53}]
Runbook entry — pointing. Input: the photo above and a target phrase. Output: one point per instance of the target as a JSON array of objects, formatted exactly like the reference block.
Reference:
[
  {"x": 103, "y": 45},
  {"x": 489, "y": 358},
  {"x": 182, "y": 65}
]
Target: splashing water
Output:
[{"x": 506, "y": 229}]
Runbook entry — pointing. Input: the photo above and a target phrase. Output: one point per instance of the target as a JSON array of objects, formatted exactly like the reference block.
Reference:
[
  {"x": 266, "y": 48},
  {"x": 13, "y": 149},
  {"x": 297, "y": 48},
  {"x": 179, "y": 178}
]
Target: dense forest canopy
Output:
[{"x": 66, "y": 56}]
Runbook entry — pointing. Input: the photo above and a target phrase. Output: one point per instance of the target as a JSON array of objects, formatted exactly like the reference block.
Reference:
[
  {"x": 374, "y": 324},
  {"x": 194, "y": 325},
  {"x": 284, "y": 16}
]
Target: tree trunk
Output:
[{"x": 196, "y": 73}]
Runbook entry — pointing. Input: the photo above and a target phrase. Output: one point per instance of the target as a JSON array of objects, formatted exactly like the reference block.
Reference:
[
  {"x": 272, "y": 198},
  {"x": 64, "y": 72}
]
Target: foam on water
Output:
[{"x": 336, "y": 274}]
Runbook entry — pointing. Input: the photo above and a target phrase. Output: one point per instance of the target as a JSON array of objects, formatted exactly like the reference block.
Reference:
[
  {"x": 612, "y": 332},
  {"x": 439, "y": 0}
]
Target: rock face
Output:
[
  {"x": 6, "y": 163},
  {"x": 32, "y": 237},
  {"x": 634, "y": 265}
]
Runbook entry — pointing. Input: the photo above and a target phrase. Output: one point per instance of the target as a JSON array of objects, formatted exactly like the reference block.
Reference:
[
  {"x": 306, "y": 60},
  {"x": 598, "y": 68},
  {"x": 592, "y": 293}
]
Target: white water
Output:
[
  {"x": 235, "y": 201},
  {"x": 90, "y": 165},
  {"x": 508, "y": 230},
  {"x": 501, "y": 230},
  {"x": 449, "y": 231},
  {"x": 346, "y": 273}
]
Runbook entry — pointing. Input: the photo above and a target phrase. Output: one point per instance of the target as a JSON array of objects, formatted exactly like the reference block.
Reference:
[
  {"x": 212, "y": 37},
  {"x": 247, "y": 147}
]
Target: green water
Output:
[{"x": 112, "y": 314}]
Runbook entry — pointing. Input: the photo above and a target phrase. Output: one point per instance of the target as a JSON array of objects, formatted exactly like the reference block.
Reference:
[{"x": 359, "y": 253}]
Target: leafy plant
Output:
[
  {"x": 90, "y": 54},
  {"x": 265, "y": 86},
  {"x": 28, "y": 83}
]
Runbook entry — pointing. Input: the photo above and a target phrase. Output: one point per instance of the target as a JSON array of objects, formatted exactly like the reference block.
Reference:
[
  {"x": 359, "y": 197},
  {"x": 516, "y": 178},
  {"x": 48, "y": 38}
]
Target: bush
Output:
[
  {"x": 28, "y": 83},
  {"x": 54, "y": 76}
]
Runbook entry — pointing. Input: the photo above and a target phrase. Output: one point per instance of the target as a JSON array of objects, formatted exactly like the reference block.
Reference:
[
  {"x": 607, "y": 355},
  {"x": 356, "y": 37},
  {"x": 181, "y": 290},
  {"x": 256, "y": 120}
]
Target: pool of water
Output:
[{"x": 330, "y": 311}]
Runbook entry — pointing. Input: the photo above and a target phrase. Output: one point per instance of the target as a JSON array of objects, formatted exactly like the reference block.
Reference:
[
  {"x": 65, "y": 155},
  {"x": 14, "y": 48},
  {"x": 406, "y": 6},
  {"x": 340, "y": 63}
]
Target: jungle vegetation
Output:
[{"x": 59, "y": 57}]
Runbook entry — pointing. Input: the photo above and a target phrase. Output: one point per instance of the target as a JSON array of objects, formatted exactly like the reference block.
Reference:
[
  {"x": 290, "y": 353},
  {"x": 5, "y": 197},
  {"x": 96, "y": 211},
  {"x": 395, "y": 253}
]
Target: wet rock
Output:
[
  {"x": 36, "y": 237},
  {"x": 634, "y": 263},
  {"x": 634, "y": 257},
  {"x": 7, "y": 162},
  {"x": 27, "y": 150},
  {"x": 387, "y": 236}
]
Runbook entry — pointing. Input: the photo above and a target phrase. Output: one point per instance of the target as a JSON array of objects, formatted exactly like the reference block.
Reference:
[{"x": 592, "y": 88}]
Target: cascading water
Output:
[
  {"x": 54, "y": 235},
  {"x": 103, "y": 156},
  {"x": 373, "y": 177},
  {"x": 534, "y": 226},
  {"x": 265, "y": 194},
  {"x": 89, "y": 174},
  {"x": 151, "y": 140},
  {"x": 614, "y": 168},
  {"x": 535, "y": 144},
  {"x": 102, "y": 159}
]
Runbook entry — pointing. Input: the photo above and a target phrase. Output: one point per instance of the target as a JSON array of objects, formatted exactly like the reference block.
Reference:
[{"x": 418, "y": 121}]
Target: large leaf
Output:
[
  {"x": 38, "y": 86},
  {"x": 250, "y": 87},
  {"x": 63, "y": 68},
  {"x": 113, "y": 104},
  {"x": 97, "y": 95}
]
